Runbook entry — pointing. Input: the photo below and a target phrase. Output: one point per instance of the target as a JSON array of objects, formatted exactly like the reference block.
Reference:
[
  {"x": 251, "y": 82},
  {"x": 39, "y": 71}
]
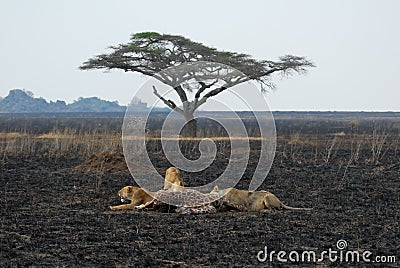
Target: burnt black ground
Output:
[{"x": 52, "y": 216}]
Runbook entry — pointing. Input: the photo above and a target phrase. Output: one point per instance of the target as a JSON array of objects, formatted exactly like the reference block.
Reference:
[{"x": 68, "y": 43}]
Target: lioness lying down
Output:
[
  {"x": 245, "y": 200},
  {"x": 140, "y": 198},
  {"x": 137, "y": 196}
]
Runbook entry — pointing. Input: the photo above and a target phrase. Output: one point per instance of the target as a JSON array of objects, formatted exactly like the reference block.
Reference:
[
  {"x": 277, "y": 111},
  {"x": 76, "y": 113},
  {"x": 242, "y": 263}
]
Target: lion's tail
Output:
[{"x": 293, "y": 208}]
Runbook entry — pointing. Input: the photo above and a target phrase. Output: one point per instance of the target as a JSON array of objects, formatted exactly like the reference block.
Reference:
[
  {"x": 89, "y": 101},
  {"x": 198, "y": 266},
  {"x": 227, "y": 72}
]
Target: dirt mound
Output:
[{"x": 104, "y": 162}]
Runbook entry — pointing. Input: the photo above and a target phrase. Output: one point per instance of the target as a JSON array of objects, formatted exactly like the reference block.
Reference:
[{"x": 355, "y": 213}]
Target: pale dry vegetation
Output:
[
  {"x": 357, "y": 147},
  {"x": 58, "y": 143},
  {"x": 297, "y": 147}
]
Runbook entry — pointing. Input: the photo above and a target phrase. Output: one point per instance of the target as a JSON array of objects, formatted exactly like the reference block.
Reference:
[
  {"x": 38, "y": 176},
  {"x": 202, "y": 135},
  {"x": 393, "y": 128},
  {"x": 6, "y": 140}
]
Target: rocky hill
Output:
[{"x": 22, "y": 101}]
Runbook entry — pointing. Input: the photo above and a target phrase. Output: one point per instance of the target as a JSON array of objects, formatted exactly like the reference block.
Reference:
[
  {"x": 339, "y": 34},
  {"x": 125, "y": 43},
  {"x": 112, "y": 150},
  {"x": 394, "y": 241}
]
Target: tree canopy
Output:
[{"x": 152, "y": 53}]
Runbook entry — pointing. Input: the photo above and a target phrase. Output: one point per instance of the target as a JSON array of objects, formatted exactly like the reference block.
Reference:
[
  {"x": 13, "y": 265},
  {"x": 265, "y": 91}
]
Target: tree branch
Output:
[
  {"x": 215, "y": 91},
  {"x": 181, "y": 93},
  {"x": 209, "y": 94},
  {"x": 204, "y": 87},
  {"x": 169, "y": 103},
  {"x": 270, "y": 71}
]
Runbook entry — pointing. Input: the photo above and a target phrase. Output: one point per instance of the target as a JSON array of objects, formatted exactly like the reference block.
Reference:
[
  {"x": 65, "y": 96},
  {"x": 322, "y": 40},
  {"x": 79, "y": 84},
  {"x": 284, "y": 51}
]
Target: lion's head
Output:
[
  {"x": 173, "y": 178},
  {"x": 127, "y": 193}
]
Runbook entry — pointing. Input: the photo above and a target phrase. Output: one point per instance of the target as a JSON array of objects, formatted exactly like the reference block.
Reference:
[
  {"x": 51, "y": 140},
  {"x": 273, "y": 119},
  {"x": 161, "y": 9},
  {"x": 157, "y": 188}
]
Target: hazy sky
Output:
[{"x": 355, "y": 45}]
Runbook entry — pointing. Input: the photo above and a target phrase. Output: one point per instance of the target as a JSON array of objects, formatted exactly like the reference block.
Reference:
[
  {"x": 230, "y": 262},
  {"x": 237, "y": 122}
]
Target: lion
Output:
[
  {"x": 173, "y": 179},
  {"x": 245, "y": 200},
  {"x": 138, "y": 197}
]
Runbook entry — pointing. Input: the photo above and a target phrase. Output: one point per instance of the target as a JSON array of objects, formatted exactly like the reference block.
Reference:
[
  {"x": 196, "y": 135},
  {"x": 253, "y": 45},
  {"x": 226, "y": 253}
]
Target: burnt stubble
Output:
[{"x": 54, "y": 215}]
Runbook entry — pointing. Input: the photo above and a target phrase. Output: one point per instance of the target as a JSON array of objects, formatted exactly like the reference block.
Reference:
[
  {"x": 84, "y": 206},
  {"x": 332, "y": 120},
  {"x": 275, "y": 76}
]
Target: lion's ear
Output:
[{"x": 130, "y": 189}]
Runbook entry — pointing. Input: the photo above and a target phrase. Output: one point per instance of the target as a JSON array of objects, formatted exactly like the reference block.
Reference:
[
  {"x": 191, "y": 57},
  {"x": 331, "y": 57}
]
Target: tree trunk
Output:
[{"x": 190, "y": 128}]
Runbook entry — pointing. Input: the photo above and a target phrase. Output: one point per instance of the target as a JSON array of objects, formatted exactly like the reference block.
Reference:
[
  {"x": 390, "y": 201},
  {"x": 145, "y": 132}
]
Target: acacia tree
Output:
[{"x": 150, "y": 53}]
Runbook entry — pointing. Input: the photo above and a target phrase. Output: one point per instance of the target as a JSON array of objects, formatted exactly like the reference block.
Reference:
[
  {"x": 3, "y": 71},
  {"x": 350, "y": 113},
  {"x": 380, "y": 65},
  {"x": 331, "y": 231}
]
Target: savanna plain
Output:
[{"x": 59, "y": 175}]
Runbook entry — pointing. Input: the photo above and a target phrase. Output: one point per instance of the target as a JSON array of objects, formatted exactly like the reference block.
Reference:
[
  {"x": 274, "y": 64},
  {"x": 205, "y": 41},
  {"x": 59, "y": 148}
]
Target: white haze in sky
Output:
[{"x": 355, "y": 45}]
